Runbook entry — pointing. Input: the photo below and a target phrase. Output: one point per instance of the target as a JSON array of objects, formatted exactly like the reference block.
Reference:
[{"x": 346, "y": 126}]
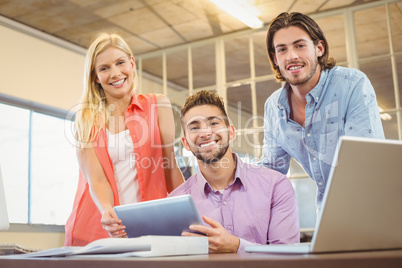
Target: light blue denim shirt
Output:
[{"x": 342, "y": 103}]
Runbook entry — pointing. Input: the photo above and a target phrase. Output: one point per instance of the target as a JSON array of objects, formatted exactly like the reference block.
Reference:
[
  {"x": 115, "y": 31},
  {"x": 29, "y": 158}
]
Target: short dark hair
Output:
[
  {"x": 204, "y": 97},
  {"x": 285, "y": 20}
]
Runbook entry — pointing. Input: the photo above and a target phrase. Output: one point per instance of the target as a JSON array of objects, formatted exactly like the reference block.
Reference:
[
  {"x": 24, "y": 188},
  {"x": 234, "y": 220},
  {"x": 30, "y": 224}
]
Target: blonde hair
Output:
[{"x": 93, "y": 113}]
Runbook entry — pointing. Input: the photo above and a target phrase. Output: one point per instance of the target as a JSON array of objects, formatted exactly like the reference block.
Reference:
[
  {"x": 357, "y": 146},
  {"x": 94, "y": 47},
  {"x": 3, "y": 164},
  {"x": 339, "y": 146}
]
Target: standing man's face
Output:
[{"x": 297, "y": 56}]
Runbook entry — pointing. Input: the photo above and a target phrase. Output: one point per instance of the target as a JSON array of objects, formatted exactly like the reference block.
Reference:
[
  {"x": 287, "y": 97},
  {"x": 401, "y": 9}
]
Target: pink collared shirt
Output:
[{"x": 259, "y": 207}]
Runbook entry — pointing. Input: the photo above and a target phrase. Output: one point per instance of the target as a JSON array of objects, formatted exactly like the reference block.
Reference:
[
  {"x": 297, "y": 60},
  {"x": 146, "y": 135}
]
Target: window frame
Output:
[{"x": 34, "y": 107}]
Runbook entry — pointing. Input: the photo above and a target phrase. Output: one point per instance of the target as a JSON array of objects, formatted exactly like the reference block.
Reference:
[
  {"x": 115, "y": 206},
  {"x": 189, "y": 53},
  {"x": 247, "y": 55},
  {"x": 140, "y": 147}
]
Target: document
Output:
[{"x": 144, "y": 246}]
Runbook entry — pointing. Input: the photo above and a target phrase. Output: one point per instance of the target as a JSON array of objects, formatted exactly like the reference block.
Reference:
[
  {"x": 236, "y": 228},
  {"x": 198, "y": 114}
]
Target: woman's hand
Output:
[{"x": 112, "y": 224}]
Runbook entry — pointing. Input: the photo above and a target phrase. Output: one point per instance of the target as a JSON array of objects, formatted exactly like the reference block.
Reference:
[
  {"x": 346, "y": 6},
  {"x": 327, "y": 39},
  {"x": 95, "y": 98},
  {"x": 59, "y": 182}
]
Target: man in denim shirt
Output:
[{"x": 318, "y": 103}]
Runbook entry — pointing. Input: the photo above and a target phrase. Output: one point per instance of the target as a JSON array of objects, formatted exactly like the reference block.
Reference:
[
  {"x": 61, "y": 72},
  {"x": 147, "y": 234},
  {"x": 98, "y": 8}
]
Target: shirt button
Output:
[
  {"x": 320, "y": 183},
  {"x": 229, "y": 227},
  {"x": 224, "y": 203},
  {"x": 316, "y": 98},
  {"x": 314, "y": 158},
  {"x": 308, "y": 135}
]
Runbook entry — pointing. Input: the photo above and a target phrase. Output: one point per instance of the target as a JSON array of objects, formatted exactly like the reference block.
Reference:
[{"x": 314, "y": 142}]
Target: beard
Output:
[
  {"x": 215, "y": 157},
  {"x": 300, "y": 80}
]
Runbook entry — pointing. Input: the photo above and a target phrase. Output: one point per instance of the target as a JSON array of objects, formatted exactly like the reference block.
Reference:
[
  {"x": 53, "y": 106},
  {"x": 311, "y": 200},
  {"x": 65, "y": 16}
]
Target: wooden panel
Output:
[
  {"x": 138, "y": 21},
  {"x": 191, "y": 32},
  {"x": 115, "y": 8}
]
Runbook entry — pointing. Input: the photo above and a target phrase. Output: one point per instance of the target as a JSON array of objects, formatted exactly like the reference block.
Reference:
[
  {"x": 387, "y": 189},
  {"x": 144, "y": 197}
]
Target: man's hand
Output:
[
  {"x": 219, "y": 239},
  {"x": 112, "y": 224}
]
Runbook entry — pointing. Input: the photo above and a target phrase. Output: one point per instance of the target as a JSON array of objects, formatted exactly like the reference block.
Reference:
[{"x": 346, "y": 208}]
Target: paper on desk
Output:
[
  {"x": 145, "y": 246},
  {"x": 101, "y": 246}
]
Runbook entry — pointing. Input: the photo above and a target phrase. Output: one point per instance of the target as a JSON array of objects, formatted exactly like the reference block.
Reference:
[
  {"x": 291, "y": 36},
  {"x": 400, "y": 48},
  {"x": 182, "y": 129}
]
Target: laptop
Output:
[
  {"x": 166, "y": 216},
  {"x": 361, "y": 207},
  {"x": 4, "y": 224}
]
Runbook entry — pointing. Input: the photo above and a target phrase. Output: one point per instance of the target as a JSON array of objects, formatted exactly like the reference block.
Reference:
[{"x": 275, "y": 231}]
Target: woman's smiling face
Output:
[{"x": 114, "y": 72}]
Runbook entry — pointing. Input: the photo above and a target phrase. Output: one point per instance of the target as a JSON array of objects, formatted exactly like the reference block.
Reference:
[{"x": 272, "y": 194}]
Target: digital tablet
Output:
[{"x": 166, "y": 216}]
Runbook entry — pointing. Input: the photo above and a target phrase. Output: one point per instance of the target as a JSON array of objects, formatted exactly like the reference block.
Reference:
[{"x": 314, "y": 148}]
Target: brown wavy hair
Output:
[{"x": 285, "y": 20}]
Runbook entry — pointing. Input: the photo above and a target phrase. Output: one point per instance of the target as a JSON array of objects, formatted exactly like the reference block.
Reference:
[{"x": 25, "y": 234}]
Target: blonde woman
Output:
[{"x": 124, "y": 143}]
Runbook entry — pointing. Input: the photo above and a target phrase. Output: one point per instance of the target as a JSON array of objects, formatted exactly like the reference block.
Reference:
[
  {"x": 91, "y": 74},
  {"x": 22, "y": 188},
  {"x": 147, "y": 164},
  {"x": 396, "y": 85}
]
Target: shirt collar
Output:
[
  {"x": 241, "y": 171},
  {"x": 315, "y": 93},
  {"x": 283, "y": 102},
  {"x": 240, "y": 175},
  {"x": 135, "y": 103}
]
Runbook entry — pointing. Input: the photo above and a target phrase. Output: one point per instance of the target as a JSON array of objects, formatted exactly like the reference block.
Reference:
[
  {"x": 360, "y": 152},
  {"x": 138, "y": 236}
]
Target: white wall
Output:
[{"x": 35, "y": 70}]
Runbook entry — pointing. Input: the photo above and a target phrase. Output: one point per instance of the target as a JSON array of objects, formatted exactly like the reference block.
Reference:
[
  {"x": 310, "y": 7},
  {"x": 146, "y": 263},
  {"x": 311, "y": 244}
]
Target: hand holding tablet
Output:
[{"x": 166, "y": 216}]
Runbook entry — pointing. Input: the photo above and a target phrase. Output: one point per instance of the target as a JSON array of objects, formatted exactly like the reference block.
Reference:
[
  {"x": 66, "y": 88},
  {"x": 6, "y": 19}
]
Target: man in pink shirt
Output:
[{"x": 241, "y": 204}]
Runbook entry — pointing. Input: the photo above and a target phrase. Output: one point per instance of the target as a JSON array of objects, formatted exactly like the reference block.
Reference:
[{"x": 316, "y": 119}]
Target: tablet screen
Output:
[{"x": 166, "y": 216}]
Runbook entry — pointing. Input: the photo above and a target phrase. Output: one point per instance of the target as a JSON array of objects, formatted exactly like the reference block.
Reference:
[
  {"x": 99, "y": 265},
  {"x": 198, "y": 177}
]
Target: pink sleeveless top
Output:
[{"x": 84, "y": 226}]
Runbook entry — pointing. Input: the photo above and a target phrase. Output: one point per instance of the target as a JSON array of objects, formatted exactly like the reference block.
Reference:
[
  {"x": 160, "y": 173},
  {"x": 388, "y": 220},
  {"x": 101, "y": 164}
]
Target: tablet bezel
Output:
[{"x": 166, "y": 216}]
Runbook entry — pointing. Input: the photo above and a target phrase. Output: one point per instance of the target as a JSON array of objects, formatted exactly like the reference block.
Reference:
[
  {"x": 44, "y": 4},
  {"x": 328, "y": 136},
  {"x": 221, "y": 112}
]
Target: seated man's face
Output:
[{"x": 206, "y": 134}]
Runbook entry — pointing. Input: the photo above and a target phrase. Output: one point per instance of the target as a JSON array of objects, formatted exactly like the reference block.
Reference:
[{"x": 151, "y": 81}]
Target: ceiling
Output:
[
  {"x": 147, "y": 25},
  {"x": 152, "y": 25}
]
